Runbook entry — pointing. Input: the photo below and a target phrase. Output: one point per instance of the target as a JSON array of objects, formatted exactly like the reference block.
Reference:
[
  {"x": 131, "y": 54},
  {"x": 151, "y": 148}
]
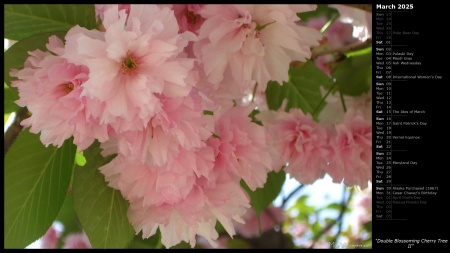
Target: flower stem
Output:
[
  {"x": 323, "y": 99},
  {"x": 254, "y": 92},
  {"x": 343, "y": 101},
  {"x": 329, "y": 23}
]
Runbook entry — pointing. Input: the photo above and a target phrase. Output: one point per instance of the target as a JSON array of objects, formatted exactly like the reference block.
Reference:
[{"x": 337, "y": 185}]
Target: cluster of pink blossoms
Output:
[
  {"x": 71, "y": 241},
  {"x": 308, "y": 149},
  {"x": 155, "y": 85}
]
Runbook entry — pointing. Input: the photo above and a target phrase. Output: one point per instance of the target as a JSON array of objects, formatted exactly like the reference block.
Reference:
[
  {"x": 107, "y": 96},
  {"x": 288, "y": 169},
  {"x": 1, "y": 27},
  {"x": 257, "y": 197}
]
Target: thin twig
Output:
[
  {"x": 344, "y": 49},
  {"x": 285, "y": 200}
]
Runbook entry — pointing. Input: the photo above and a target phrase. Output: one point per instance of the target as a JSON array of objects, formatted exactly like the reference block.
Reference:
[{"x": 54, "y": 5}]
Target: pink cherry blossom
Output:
[
  {"x": 189, "y": 19},
  {"x": 269, "y": 218},
  {"x": 50, "y": 87},
  {"x": 352, "y": 150},
  {"x": 168, "y": 89},
  {"x": 180, "y": 124},
  {"x": 171, "y": 183},
  {"x": 240, "y": 44},
  {"x": 298, "y": 140},
  {"x": 77, "y": 241},
  {"x": 182, "y": 201},
  {"x": 187, "y": 201},
  {"x": 50, "y": 239},
  {"x": 240, "y": 146},
  {"x": 195, "y": 215},
  {"x": 188, "y": 16},
  {"x": 130, "y": 63},
  {"x": 100, "y": 9}
]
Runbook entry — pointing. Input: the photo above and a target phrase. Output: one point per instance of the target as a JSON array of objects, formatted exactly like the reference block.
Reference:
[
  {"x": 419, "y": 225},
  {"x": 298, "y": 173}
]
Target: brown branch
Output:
[
  {"x": 342, "y": 50},
  {"x": 14, "y": 130},
  {"x": 364, "y": 7}
]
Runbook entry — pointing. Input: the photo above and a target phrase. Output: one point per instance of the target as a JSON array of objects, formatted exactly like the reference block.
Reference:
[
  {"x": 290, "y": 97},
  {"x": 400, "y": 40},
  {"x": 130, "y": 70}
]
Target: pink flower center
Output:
[
  {"x": 246, "y": 26},
  {"x": 68, "y": 87},
  {"x": 128, "y": 65},
  {"x": 191, "y": 17}
]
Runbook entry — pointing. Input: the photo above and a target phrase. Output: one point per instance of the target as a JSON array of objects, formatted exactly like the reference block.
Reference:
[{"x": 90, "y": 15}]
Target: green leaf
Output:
[
  {"x": 254, "y": 119},
  {"x": 262, "y": 197},
  {"x": 304, "y": 210},
  {"x": 184, "y": 245},
  {"x": 238, "y": 243},
  {"x": 321, "y": 10},
  {"x": 153, "y": 242},
  {"x": 36, "y": 183},
  {"x": 368, "y": 226},
  {"x": 219, "y": 228},
  {"x": 16, "y": 55},
  {"x": 334, "y": 206},
  {"x": 367, "y": 243},
  {"x": 354, "y": 74},
  {"x": 302, "y": 91},
  {"x": 25, "y": 20},
  {"x": 10, "y": 96},
  {"x": 101, "y": 210},
  {"x": 316, "y": 229},
  {"x": 275, "y": 95},
  {"x": 68, "y": 218},
  {"x": 6, "y": 117}
]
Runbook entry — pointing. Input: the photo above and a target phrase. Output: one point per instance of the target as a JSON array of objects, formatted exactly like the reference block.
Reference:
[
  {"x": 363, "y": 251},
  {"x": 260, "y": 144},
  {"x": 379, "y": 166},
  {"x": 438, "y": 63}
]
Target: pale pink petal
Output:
[
  {"x": 298, "y": 143},
  {"x": 241, "y": 148},
  {"x": 352, "y": 150},
  {"x": 133, "y": 60},
  {"x": 249, "y": 34}
]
